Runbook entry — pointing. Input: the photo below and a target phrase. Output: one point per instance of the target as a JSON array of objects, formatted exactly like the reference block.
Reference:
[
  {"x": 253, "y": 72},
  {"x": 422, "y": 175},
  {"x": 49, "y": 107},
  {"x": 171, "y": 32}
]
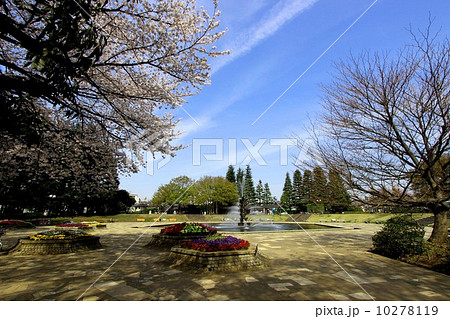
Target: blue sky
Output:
[{"x": 272, "y": 43}]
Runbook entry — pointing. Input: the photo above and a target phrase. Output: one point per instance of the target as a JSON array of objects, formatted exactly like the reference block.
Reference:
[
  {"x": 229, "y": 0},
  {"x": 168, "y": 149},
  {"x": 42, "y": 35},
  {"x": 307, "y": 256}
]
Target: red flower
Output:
[{"x": 218, "y": 244}]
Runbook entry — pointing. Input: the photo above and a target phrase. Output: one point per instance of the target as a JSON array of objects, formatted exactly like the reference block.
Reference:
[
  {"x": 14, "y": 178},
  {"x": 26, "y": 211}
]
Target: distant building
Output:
[
  {"x": 136, "y": 198},
  {"x": 262, "y": 209},
  {"x": 140, "y": 207}
]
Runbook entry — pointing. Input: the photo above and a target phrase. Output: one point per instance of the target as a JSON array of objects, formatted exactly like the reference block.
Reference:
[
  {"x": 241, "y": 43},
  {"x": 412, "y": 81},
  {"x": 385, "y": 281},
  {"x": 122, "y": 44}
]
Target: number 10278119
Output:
[{"x": 407, "y": 310}]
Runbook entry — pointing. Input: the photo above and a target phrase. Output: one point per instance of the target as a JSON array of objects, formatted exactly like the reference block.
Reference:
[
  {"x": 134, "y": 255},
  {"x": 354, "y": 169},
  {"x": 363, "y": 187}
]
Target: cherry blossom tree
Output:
[
  {"x": 66, "y": 170},
  {"x": 122, "y": 65},
  {"x": 83, "y": 80}
]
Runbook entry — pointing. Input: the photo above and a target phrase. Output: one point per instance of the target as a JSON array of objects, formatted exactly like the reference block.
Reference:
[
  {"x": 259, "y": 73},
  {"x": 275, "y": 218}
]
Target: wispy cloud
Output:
[
  {"x": 188, "y": 126},
  {"x": 244, "y": 40}
]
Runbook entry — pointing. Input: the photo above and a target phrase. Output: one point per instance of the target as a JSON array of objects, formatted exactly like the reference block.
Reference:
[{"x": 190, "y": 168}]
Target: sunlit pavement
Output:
[{"x": 305, "y": 265}]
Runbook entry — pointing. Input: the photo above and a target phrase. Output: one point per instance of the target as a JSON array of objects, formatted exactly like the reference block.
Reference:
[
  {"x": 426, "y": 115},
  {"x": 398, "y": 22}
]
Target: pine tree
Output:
[
  {"x": 297, "y": 190},
  {"x": 286, "y": 197},
  {"x": 307, "y": 188},
  {"x": 319, "y": 189},
  {"x": 230, "y": 174},
  {"x": 268, "y": 199},
  {"x": 240, "y": 181},
  {"x": 338, "y": 197},
  {"x": 259, "y": 192},
  {"x": 249, "y": 189}
]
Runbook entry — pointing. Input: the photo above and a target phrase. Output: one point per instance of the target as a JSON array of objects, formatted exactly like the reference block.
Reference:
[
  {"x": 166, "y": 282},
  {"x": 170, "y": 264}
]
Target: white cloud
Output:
[
  {"x": 244, "y": 40},
  {"x": 189, "y": 126}
]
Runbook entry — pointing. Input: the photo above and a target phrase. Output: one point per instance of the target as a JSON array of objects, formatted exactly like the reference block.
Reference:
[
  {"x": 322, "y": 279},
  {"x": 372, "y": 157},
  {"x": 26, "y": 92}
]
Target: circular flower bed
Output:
[
  {"x": 178, "y": 233},
  {"x": 56, "y": 242},
  {"x": 9, "y": 223},
  {"x": 216, "y": 243},
  {"x": 217, "y": 253},
  {"x": 94, "y": 223},
  {"x": 184, "y": 229},
  {"x": 59, "y": 235}
]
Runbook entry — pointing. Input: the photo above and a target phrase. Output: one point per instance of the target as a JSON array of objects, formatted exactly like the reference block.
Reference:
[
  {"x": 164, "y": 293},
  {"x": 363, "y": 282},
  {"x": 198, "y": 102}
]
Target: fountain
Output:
[
  {"x": 236, "y": 215},
  {"x": 237, "y": 220},
  {"x": 243, "y": 211}
]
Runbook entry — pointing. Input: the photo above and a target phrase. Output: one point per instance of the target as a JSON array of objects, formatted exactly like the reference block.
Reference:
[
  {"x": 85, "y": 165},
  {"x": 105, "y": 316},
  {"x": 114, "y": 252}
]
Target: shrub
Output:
[{"x": 400, "y": 236}]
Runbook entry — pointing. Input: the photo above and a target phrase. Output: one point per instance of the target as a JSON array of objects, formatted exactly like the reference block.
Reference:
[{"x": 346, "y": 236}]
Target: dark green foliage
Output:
[
  {"x": 338, "y": 198},
  {"x": 286, "y": 197},
  {"x": 240, "y": 181},
  {"x": 68, "y": 172},
  {"x": 315, "y": 192},
  {"x": 268, "y": 199},
  {"x": 249, "y": 189},
  {"x": 297, "y": 191},
  {"x": 307, "y": 187},
  {"x": 400, "y": 236},
  {"x": 114, "y": 202},
  {"x": 230, "y": 174},
  {"x": 259, "y": 192},
  {"x": 319, "y": 185}
]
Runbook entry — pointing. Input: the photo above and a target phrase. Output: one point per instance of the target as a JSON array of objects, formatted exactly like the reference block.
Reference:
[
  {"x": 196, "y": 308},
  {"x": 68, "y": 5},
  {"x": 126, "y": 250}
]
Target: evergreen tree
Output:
[
  {"x": 338, "y": 197},
  {"x": 240, "y": 180},
  {"x": 286, "y": 197},
  {"x": 249, "y": 189},
  {"x": 259, "y": 193},
  {"x": 307, "y": 188},
  {"x": 297, "y": 191},
  {"x": 319, "y": 189},
  {"x": 230, "y": 174},
  {"x": 268, "y": 199}
]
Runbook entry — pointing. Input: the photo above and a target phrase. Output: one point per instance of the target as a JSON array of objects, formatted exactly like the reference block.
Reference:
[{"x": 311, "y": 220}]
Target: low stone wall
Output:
[
  {"x": 235, "y": 260},
  {"x": 167, "y": 241},
  {"x": 55, "y": 247}
]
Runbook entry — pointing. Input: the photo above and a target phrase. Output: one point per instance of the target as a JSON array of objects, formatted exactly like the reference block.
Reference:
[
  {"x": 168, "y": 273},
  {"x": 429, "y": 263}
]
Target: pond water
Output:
[{"x": 248, "y": 227}]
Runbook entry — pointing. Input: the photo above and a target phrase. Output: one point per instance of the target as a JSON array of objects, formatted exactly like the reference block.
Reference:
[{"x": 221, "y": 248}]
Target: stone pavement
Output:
[{"x": 300, "y": 270}]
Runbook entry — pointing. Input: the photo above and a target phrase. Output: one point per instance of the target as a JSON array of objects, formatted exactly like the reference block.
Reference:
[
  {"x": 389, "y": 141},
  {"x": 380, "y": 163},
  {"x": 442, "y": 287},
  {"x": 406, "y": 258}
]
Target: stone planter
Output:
[
  {"x": 55, "y": 246},
  {"x": 168, "y": 241},
  {"x": 234, "y": 260}
]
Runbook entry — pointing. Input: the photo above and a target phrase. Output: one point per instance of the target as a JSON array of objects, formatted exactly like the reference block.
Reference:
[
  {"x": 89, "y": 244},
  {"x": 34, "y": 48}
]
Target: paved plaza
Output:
[{"x": 300, "y": 270}]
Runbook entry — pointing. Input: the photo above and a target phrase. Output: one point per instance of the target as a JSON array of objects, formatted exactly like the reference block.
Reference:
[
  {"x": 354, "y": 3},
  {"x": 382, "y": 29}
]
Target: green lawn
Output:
[
  {"x": 130, "y": 218},
  {"x": 358, "y": 218},
  {"x": 314, "y": 218}
]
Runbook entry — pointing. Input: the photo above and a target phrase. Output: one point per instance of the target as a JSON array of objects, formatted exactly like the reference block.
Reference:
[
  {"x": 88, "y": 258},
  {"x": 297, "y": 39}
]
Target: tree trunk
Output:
[{"x": 440, "y": 227}]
